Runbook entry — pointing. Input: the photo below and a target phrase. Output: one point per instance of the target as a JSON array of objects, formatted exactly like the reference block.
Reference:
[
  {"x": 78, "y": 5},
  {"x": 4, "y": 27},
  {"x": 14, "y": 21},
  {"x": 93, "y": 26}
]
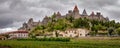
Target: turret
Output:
[
  {"x": 30, "y": 20},
  {"x": 76, "y": 12},
  {"x": 98, "y": 14},
  {"x": 24, "y": 25},
  {"x": 76, "y": 9},
  {"x": 84, "y": 13},
  {"x": 70, "y": 11},
  {"x": 39, "y": 22},
  {"x": 46, "y": 17},
  {"x": 45, "y": 20},
  {"x": 107, "y": 18},
  {"x": 92, "y": 14},
  {"x": 58, "y": 14},
  {"x": 54, "y": 14}
]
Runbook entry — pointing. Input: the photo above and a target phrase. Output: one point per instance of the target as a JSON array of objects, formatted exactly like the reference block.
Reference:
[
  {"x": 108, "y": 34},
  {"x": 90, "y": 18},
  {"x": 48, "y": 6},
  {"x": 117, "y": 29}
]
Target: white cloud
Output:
[{"x": 4, "y": 30}]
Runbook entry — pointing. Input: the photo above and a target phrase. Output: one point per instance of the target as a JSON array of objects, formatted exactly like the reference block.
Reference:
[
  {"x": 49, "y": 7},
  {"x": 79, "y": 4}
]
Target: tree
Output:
[
  {"x": 94, "y": 22},
  {"x": 110, "y": 31},
  {"x": 95, "y": 28},
  {"x": 81, "y": 23},
  {"x": 56, "y": 34},
  {"x": 70, "y": 19},
  {"x": 118, "y": 31},
  {"x": 6, "y": 35},
  {"x": 117, "y": 25},
  {"x": 37, "y": 30},
  {"x": 31, "y": 35},
  {"x": 60, "y": 25},
  {"x": 112, "y": 23}
]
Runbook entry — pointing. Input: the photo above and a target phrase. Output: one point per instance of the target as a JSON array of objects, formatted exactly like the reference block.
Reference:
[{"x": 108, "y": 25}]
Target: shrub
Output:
[
  {"x": 93, "y": 33},
  {"x": 46, "y": 39},
  {"x": 118, "y": 31}
]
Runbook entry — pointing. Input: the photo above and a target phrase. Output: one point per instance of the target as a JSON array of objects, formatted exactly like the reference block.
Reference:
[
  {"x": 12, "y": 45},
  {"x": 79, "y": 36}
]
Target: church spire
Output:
[
  {"x": 84, "y": 13},
  {"x": 76, "y": 9}
]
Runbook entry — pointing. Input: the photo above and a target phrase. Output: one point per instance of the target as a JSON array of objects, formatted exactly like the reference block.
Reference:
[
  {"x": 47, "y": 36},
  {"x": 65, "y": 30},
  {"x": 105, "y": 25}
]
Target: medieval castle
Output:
[{"x": 74, "y": 13}]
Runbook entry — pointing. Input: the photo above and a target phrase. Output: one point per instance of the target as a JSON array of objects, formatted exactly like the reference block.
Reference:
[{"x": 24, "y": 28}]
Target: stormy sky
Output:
[{"x": 15, "y": 12}]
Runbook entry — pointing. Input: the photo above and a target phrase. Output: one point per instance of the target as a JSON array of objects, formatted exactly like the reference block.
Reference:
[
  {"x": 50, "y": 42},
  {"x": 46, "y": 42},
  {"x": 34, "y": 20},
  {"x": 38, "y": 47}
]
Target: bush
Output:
[
  {"x": 102, "y": 33},
  {"x": 93, "y": 33},
  {"x": 46, "y": 39},
  {"x": 118, "y": 31}
]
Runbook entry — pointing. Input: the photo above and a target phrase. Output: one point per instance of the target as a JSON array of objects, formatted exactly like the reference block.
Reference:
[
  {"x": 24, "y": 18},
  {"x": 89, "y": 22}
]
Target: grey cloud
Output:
[
  {"x": 18, "y": 11},
  {"x": 114, "y": 15},
  {"x": 2, "y": 1},
  {"x": 97, "y": 4}
]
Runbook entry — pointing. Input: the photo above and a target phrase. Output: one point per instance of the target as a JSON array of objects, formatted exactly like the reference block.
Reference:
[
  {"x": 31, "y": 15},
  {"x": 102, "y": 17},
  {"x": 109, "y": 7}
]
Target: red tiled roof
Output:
[{"x": 19, "y": 31}]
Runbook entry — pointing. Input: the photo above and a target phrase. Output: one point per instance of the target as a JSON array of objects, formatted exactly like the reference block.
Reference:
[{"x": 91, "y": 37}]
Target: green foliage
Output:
[
  {"x": 70, "y": 19},
  {"x": 54, "y": 15},
  {"x": 74, "y": 43},
  {"x": 69, "y": 22},
  {"x": 112, "y": 23},
  {"x": 95, "y": 28},
  {"x": 41, "y": 27},
  {"x": 98, "y": 27},
  {"x": 59, "y": 25},
  {"x": 118, "y": 31},
  {"x": 81, "y": 23},
  {"x": 94, "y": 22},
  {"x": 93, "y": 33},
  {"x": 6, "y": 35},
  {"x": 103, "y": 34},
  {"x": 46, "y": 39},
  {"x": 117, "y": 25},
  {"x": 110, "y": 30},
  {"x": 37, "y": 30}
]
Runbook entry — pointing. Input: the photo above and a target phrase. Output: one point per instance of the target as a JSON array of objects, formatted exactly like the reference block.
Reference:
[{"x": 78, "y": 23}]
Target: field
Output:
[{"x": 88, "y": 42}]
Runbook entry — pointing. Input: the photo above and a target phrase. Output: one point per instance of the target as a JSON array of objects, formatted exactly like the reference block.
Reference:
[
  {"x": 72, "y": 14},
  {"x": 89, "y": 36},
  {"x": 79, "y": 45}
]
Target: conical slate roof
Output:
[
  {"x": 76, "y": 9},
  {"x": 84, "y": 13}
]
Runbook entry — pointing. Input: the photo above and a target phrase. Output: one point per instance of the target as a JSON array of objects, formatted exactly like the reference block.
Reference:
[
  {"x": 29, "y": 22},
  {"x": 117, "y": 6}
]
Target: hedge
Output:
[{"x": 46, "y": 39}]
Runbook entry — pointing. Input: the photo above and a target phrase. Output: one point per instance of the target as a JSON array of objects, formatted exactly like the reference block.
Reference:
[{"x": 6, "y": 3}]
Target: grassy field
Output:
[{"x": 88, "y": 42}]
